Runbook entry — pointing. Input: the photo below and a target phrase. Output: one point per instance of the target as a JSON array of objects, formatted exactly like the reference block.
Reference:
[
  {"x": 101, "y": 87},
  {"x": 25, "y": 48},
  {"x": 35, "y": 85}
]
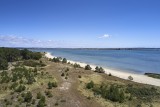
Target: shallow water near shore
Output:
[{"x": 135, "y": 61}]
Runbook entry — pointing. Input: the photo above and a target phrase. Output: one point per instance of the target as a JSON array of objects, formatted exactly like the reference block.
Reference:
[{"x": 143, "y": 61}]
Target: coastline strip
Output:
[{"x": 119, "y": 73}]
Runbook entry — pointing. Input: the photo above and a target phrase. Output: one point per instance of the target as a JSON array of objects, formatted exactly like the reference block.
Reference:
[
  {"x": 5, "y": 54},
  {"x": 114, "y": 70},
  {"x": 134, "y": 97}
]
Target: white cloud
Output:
[
  {"x": 17, "y": 41},
  {"x": 105, "y": 36}
]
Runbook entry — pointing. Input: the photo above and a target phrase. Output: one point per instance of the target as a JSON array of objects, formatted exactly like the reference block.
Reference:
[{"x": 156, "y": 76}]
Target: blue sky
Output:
[{"x": 80, "y": 23}]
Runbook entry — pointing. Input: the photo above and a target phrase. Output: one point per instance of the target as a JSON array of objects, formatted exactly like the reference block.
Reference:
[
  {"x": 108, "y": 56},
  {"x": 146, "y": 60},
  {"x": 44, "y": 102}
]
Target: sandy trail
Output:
[{"x": 68, "y": 88}]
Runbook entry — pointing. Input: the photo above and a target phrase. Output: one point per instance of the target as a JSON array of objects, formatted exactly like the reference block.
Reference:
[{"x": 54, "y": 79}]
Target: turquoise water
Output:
[{"x": 137, "y": 61}]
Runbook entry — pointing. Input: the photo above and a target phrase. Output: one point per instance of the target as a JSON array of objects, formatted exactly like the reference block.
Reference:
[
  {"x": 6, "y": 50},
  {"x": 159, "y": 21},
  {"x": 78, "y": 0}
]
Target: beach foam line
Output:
[{"x": 119, "y": 73}]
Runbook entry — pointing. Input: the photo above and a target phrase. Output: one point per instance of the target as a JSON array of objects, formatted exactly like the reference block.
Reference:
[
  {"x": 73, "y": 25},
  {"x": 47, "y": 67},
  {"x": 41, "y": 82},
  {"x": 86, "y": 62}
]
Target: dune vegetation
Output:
[{"x": 29, "y": 79}]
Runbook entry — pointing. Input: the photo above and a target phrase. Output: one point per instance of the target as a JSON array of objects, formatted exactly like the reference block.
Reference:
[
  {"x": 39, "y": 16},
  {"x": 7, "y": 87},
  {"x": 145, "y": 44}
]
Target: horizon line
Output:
[{"x": 86, "y": 47}]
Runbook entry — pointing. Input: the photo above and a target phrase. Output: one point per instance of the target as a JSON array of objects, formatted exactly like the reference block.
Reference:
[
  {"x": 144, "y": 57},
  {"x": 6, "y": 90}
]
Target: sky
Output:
[{"x": 80, "y": 23}]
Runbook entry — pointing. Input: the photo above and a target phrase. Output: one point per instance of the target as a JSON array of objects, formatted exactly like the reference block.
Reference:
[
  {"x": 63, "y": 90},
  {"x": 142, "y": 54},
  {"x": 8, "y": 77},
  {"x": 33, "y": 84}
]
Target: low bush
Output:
[
  {"x": 76, "y": 65},
  {"x": 90, "y": 85},
  {"x": 52, "y": 84},
  {"x": 66, "y": 70},
  {"x": 79, "y": 76},
  {"x": 48, "y": 94},
  {"x": 113, "y": 92},
  {"x": 109, "y": 74},
  {"x": 41, "y": 102},
  {"x": 66, "y": 77},
  {"x": 20, "y": 88},
  {"x": 142, "y": 92},
  {"x": 130, "y": 78},
  {"x": 99, "y": 69},
  {"x": 64, "y": 60},
  {"x": 28, "y": 97},
  {"x": 39, "y": 95},
  {"x": 49, "y": 85},
  {"x": 62, "y": 74},
  {"x": 56, "y": 59},
  {"x": 87, "y": 67}
]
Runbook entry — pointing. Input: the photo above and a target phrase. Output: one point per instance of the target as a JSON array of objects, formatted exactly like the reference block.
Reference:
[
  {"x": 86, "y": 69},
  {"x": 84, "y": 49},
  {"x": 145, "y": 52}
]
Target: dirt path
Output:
[{"x": 66, "y": 92}]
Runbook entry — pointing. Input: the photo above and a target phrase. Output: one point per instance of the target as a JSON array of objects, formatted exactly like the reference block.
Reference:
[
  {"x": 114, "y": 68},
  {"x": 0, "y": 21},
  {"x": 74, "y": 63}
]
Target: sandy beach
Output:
[{"x": 118, "y": 73}]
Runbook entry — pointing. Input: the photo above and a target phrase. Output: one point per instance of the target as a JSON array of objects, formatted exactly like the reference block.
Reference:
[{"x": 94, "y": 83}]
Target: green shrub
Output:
[
  {"x": 99, "y": 70},
  {"x": 109, "y": 74},
  {"x": 4, "y": 77},
  {"x": 90, "y": 85},
  {"x": 30, "y": 79},
  {"x": 28, "y": 105},
  {"x": 17, "y": 106},
  {"x": 142, "y": 92},
  {"x": 23, "y": 74},
  {"x": 5, "y": 100},
  {"x": 28, "y": 97},
  {"x": 49, "y": 85},
  {"x": 8, "y": 102},
  {"x": 20, "y": 100},
  {"x": 48, "y": 93},
  {"x": 130, "y": 78},
  {"x": 39, "y": 95},
  {"x": 62, "y": 74},
  {"x": 67, "y": 69},
  {"x": 58, "y": 59},
  {"x": 130, "y": 97},
  {"x": 113, "y": 93},
  {"x": 14, "y": 85},
  {"x": 96, "y": 69},
  {"x": 20, "y": 88},
  {"x": 3, "y": 64},
  {"x": 139, "y": 105},
  {"x": 69, "y": 63},
  {"x": 64, "y": 60},
  {"x": 40, "y": 61},
  {"x": 41, "y": 102},
  {"x": 54, "y": 84},
  {"x": 66, "y": 77},
  {"x": 21, "y": 81},
  {"x": 67, "y": 74},
  {"x": 76, "y": 65},
  {"x": 87, "y": 67},
  {"x": 23, "y": 94},
  {"x": 79, "y": 76}
]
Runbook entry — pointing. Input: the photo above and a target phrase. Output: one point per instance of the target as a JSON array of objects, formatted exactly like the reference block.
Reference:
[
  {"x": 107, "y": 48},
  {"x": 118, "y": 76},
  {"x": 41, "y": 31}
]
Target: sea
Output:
[{"x": 138, "y": 61}]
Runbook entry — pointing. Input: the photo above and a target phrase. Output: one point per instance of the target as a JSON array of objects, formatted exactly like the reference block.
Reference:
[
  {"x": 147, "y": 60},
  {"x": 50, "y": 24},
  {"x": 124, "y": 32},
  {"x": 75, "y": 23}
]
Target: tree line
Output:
[{"x": 13, "y": 54}]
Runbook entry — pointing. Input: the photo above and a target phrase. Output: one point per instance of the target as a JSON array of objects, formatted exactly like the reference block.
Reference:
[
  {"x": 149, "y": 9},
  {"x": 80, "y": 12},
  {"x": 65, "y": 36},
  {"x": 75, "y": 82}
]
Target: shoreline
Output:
[{"x": 118, "y": 73}]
